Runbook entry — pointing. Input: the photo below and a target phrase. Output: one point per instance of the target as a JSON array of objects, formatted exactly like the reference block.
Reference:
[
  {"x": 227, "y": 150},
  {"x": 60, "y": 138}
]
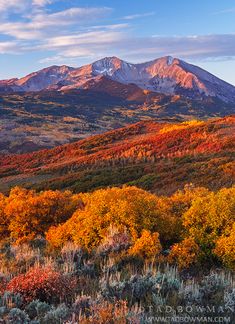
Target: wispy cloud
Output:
[
  {"x": 140, "y": 15},
  {"x": 12, "y": 4},
  {"x": 69, "y": 17},
  {"x": 8, "y": 47},
  {"x": 43, "y": 24},
  {"x": 225, "y": 11},
  {"x": 94, "y": 44},
  {"x": 190, "y": 47},
  {"x": 96, "y": 37},
  {"x": 22, "y": 5},
  {"x": 41, "y": 3}
]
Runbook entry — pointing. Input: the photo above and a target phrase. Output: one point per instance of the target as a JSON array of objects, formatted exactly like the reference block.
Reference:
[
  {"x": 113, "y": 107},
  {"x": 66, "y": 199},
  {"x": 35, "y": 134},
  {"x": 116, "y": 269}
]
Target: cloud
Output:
[
  {"x": 197, "y": 46},
  {"x": 8, "y": 47},
  {"x": 22, "y": 5},
  {"x": 69, "y": 17},
  {"x": 87, "y": 38},
  {"x": 74, "y": 33},
  {"x": 136, "y": 16},
  {"x": 225, "y": 11},
  {"x": 12, "y": 4},
  {"x": 94, "y": 44},
  {"x": 71, "y": 54},
  {"x": 42, "y": 24},
  {"x": 41, "y": 3},
  {"x": 84, "y": 45},
  {"x": 112, "y": 27},
  {"x": 21, "y": 31}
]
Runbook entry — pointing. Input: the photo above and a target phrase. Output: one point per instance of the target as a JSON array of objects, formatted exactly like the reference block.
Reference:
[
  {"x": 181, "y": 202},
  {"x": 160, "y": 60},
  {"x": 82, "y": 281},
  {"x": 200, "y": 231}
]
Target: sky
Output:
[{"x": 38, "y": 33}]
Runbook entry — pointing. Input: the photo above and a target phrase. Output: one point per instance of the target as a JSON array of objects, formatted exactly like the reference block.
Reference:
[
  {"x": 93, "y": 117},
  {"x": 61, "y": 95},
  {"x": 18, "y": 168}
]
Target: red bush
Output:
[{"x": 43, "y": 283}]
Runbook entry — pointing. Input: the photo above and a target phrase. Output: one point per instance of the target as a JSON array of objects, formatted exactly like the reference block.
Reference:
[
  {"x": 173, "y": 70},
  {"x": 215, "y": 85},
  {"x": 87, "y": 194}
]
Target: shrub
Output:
[
  {"x": 229, "y": 299},
  {"x": 106, "y": 312},
  {"x": 37, "y": 309},
  {"x": 30, "y": 213},
  {"x": 11, "y": 300},
  {"x": 127, "y": 207},
  {"x": 225, "y": 250},
  {"x": 141, "y": 288},
  {"x": 3, "y": 311},
  {"x": 82, "y": 305},
  {"x": 214, "y": 285},
  {"x": 56, "y": 315},
  {"x": 4, "y": 221},
  {"x": 210, "y": 216},
  {"x": 185, "y": 253},
  {"x": 43, "y": 283},
  {"x": 71, "y": 252},
  {"x": 147, "y": 246},
  {"x": 24, "y": 254},
  {"x": 17, "y": 316},
  {"x": 191, "y": 293}
]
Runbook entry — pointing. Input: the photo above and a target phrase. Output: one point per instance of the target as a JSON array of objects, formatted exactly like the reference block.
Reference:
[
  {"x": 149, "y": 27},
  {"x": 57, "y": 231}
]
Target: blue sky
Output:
[{"x": 38, "y": 33}]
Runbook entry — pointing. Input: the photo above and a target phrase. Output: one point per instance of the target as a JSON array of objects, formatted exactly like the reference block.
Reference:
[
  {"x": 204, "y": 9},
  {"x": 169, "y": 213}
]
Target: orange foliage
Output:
[
  {"x": 209, "y": 217},
  {"x": 185, "y": 253},
  {"x": 29, "y": 213},
  {"x": 3, "y": 220},
  {"x": 128, "y": 207},
  {"x": 148, "y": 246},
  {"x": 225, "y": 249}
]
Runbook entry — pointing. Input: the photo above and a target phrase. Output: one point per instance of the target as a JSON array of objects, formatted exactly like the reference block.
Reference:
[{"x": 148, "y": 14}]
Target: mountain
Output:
[
  {"x": 61, "y": 104},
  {"x": 166, "y": 75},
  {"x": 161, "y": 157}
]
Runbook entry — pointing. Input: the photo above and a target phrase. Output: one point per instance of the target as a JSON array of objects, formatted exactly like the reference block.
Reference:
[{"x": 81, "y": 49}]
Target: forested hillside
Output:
[{"x": 160, "y": 157}]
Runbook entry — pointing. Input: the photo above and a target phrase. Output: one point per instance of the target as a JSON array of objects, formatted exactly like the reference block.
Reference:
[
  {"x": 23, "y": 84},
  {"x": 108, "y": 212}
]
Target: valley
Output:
[{"x": 34, "y": 121}]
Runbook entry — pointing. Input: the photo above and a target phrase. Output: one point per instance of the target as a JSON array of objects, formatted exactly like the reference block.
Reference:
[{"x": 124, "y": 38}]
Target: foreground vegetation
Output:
[
  {"x": 116, "y": 255},
  {"x": 77, "y": 287}
]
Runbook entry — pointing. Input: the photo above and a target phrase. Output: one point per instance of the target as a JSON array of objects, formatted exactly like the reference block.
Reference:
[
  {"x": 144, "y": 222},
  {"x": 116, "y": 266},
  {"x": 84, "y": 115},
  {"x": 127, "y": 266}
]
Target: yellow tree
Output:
[
  {"x": 4, "y": 223},
  {"x": 128, "y": 207},
  {"x": 209, "y": 217},
  {"x": 185, "y": 253},
  {"x": 148, "y": 246},
  {"x": 30, "y": 213},
  {"x": 225, "y": 248}
]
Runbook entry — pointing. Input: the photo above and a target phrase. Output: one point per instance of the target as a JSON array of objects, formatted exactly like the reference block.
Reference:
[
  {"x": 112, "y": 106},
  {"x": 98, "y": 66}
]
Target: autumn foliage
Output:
[
  {"x": 128, "y": 207},
  {"x": 107, "y": 256},
  {"x": 148, "y": 246},
  {"x": 194, "y": 224},
  {"x": 26, "y": 213},
  {"x": 42, "y": 283},
  {"x": 185, "y": 253}
]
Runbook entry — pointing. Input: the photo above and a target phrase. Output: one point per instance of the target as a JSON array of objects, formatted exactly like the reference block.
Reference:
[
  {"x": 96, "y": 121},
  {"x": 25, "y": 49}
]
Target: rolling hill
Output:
[{"x": 161, "y": 157}]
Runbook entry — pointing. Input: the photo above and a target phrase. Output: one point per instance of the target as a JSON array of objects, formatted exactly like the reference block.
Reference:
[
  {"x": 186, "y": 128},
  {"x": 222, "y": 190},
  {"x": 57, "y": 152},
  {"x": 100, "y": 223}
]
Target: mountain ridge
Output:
[{"x": 167, "y": 75}]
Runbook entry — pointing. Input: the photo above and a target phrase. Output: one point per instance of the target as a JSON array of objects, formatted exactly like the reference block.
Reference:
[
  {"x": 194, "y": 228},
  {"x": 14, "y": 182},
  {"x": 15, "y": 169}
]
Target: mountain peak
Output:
[
  {"x": 169, "y": 60},
  {"x": 107, "y": 65},
  {"x": 167, "y": 75}
]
